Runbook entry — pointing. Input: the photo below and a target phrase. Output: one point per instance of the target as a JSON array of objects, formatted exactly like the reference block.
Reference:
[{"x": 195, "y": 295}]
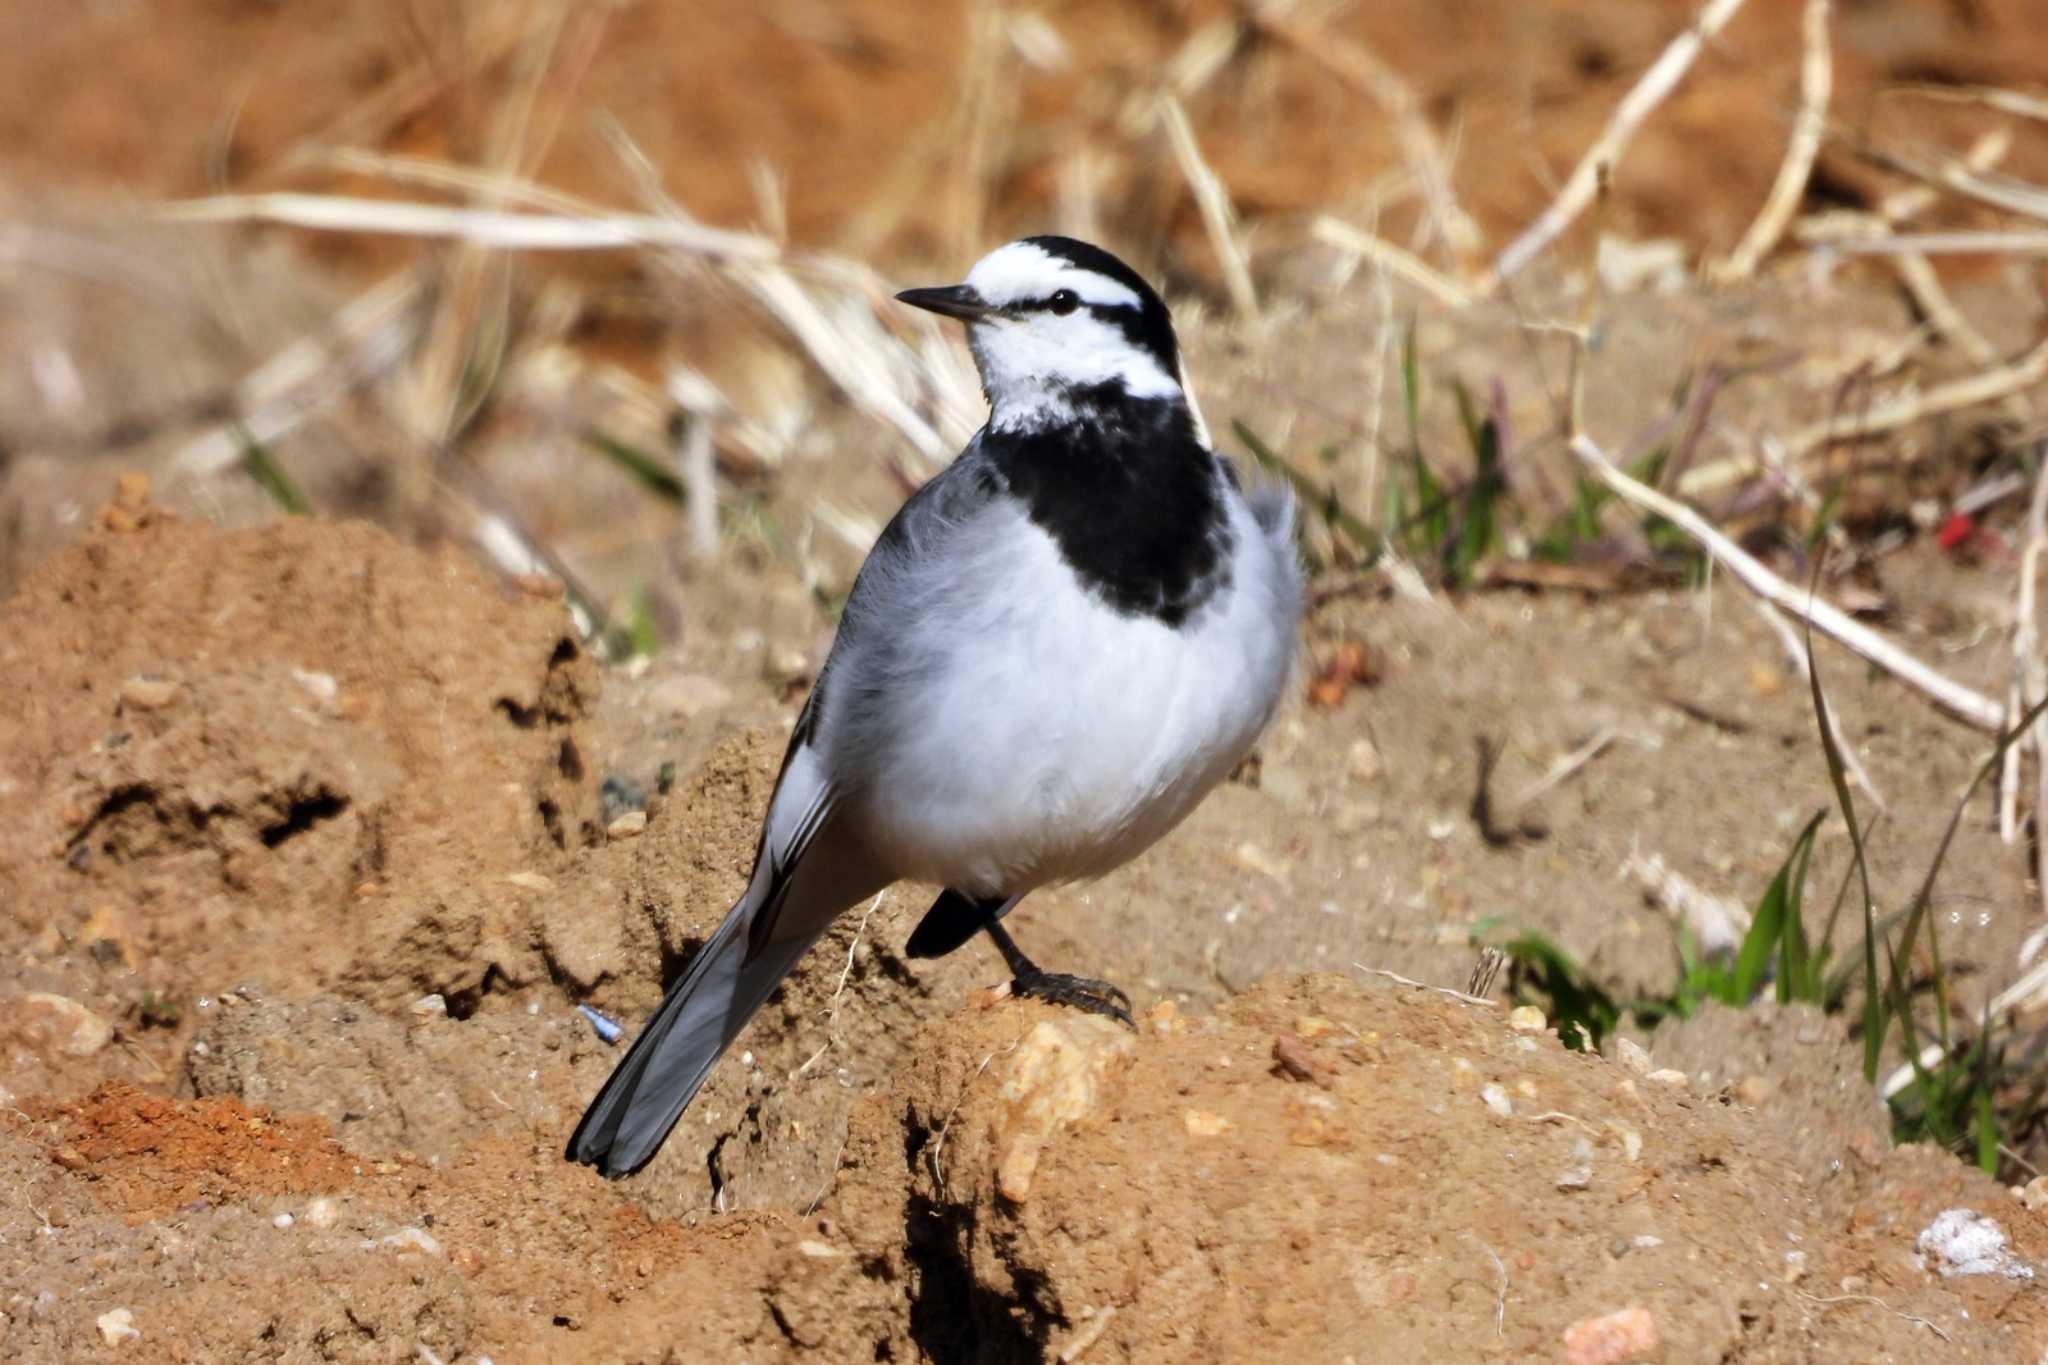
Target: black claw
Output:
[{"x": 1075, "y": 992}]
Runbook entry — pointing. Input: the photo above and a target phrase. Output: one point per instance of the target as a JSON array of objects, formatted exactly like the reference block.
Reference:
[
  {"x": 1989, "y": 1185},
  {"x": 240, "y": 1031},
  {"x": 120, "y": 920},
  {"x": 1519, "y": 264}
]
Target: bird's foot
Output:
[{"x": 1075, "y": 992}]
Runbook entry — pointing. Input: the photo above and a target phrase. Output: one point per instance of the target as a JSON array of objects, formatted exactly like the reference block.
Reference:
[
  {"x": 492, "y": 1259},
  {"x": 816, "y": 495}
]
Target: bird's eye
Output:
[{"x": 1064, "y": 302}]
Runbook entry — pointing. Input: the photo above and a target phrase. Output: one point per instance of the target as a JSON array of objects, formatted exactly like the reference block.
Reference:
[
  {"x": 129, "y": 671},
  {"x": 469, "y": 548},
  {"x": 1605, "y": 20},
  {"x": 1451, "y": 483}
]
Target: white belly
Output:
[{"x": 1053, "y": 738}]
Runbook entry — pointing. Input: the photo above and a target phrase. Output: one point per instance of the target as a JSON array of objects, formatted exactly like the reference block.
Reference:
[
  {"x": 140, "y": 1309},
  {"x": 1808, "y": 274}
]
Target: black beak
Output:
[{"x": 952, "y": 301}]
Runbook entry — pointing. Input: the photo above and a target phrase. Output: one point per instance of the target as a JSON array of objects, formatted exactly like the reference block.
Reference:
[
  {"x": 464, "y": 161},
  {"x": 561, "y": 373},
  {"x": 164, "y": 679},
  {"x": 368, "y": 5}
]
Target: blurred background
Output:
[{"x": 1243, "y": 153}]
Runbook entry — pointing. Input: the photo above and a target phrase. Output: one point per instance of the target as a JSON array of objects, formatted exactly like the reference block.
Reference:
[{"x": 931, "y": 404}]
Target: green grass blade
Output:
[
  {"x": 268, "y": 473},
  {"x": 1411, "y": 385},
  {"x": 1875, "y": 1023},
  {"x": 1315, "y": 494},
  {"x": 652, "y": 474}
]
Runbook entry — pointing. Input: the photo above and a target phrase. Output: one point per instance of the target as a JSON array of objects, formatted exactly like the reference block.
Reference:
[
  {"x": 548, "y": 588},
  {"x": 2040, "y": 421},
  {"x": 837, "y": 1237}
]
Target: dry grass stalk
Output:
[
  {"x": 490, "y": 33},
  {"x": 513, "y": 231},
  {"x": 1816, "y": 85},
  {"x": 1390, "y": 258},
  {"x": 1990, "y": 97},
  {"x": 1356, "y": 66},
  {"x": 1959, "y": 176},
  {"x": 1584, "y": 182},
  {"x": 977, "y": 114},
  {"x": 1986, "y": 387},
  {"x": 1214, "y": 202},
  {"x": 1940, "y": 310},
  {"x": 370, "y": 336},
  {"x": 2029, "y": 674},
  {"x": 697, "y": 406},
  {"x": 1987, "y": 243},
  {"x": 1965, "y": 703}
]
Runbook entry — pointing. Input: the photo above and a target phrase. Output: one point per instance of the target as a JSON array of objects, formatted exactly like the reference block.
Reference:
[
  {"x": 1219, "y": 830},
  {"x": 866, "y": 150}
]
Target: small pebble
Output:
[
  {"x": 116, "y": 1326},
  {"x": 1612, "y": 1339},
  {"x": 627, "y": 826},
  {"x": 1497, "y": 1100},
  {"x": 1677, "y": 1080},
  {"x": 1632, "y": 1056},
  {"x": 76, "y": 1030},
  {"x": 429, "y": 1006},
  {"x": 1527, "y": 1019},
  {"x": 1201, "y": 1123},
  {"x": 322, "y": 1212},
  {"x": 283, "y": 1220},
  {"x": 148, "y": 694}
]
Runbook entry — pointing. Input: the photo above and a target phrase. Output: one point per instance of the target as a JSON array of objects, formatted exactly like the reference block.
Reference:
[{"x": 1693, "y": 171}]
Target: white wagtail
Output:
[{"x": 1057, "y": 647}]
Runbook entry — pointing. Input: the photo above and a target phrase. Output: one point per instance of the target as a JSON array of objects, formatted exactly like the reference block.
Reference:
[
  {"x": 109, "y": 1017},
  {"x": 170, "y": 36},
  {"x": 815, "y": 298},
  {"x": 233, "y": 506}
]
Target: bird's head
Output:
[{"x": 1057, "y": 326}]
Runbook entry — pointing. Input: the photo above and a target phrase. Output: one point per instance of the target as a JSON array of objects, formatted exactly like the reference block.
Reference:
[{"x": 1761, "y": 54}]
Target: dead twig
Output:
[
  {"x": 1986, "y": 387},
  {"x": 1356, "y": 66},
  {"x": 1963, "y": 702},
  {"x": 1584, "y": 182},
  {"x": 1390, "y": 258},
  {"x": 1816, "y": 84},
  {"x": 1214, "y": 202},
  {"x": 483, "y": 227}
]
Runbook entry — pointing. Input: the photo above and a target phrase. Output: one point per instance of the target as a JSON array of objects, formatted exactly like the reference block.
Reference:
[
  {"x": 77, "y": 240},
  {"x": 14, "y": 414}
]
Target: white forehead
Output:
[{"x": 1024, "y": 270}]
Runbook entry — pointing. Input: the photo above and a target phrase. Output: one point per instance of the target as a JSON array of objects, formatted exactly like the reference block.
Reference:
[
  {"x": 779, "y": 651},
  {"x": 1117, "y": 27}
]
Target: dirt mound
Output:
[
  {"x": 301, "y": 756},
  {"x": 1321, "y": 1171},
  {"x": 291, "y": 802}
]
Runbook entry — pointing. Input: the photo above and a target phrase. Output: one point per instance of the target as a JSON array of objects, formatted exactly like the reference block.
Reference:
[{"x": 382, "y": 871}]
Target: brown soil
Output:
[
  {"x": 927, "y": 1174},
  {"x": 1426, "y": 1181}
]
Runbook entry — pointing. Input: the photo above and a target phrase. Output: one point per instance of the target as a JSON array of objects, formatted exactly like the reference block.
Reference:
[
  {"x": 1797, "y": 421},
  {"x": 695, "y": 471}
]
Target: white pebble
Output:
[
  {"x": 1497, "y": 1100},
  {"x": 116, "y": 1326},
  {"x": 1965, "y": 1242},
  {"x": 321, "y": 1213},
  {"x": 283, "y": 1220}
]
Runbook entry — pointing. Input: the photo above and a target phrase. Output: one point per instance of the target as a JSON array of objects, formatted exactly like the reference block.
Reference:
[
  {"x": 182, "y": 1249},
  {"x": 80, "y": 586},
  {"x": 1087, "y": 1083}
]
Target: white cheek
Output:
[{"x": 1026, "y": 358}]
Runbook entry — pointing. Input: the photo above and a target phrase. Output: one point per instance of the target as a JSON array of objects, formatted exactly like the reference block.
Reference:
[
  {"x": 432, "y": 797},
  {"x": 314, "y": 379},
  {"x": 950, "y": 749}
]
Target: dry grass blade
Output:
[
  {"x": 2029, "y": 672},
  {"x": 1214, "y": 202},
  {"x": 371, "y": 335},
  {"x": 1579, "y": 188},
  {"x": 1989, "y": 96},
  {"x": 1816, "y": 85},
  {"x": 1830, "y": 620},
  {"x": 1988, "y": 243},
  {"x": 484, "y": 227},
  {"x": 1959, "y": 176},
  {"x": 1364, "y": 72},
  {"x": 1394, "y": 260},
  {"x": 1987, "y": 387}
]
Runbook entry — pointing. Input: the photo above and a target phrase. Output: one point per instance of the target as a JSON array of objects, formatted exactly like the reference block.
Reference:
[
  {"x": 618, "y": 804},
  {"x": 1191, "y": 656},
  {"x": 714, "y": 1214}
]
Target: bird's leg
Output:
[{"x": 1027, "y": 978}]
